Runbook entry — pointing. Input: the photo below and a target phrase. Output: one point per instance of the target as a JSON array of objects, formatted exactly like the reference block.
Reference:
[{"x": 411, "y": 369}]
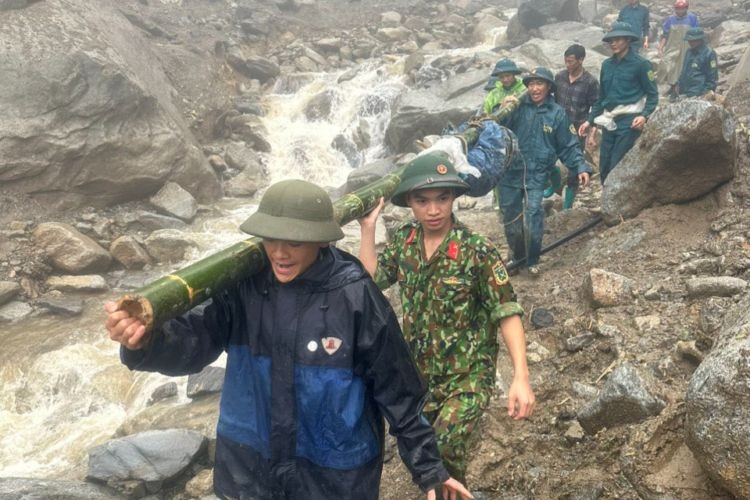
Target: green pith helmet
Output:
[
  {"x": 294, "y": 210},
  {"x": 541, "y": 73},
  {"x": 621, "y": 28},
  {"x": 695, "y": 34},
  {"x": 505, "y": 66},
  {"x": 433, "y": 170}
]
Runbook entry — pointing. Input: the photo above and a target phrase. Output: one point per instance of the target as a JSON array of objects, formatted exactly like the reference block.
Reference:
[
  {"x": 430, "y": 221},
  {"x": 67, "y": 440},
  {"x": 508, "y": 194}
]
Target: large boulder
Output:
[
  {"x": 70, "y": 250},
  {"x": 549, "y": 53},
  {"x": 686, "y": 150},
  {"x": 738, "y": 95},
  {"x": 536, "y": 13},
  {"x": 588, "y": 36},
  {"x": 88, "y": 117},
  {"x": 151, "y": 456},
  {"x": 427, "y": 111},
  {"x": 718, "y": 405}
]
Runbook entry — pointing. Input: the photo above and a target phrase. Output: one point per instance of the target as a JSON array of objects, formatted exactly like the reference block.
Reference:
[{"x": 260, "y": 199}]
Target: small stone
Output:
[
  {"x": 575, "y": 433},
  {"x": 688, "y": 350},
  {"x": 579, "y": 342},
  {"x": 542, "y": 318}
]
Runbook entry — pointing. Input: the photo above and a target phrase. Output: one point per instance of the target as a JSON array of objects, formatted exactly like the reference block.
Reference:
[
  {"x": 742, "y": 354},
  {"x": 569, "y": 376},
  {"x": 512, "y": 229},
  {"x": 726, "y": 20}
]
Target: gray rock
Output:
[
  {"x": 13, "y": 4},
  {"x": 624, "y": 399},
  {"x": 80, "y": 283},
  {"x": 47, "y": 489},
  {"x": 542, "y": 318},
  {"x": 244, "y": 184},
  {"x": 584, "y": 391},
  {"x": 173, "y": 200},
  {"x": 164, "y": 391},
  {"x": 60, "y": 305},
  {"x": 168, "y": 245},
  {"x": 14, "y": 311},
  {"x": 102, "y": 105},
  {"x": 69, "y": 250},
  {"x": 575, "y": 433},
  {"x": 329, "y": 44},
  {"x": 254, "y": 67},
  {"x": 398, "y": 34},
  {"x": 248, "y": 128},
  {"x": 209, "y": 380},
  {"x": 319, "y": 106},
  {"x": 536, "y": 13},
  {"x": 240, "y": 157},
  {"x": 8, "y": 291},
  {"x": 668, "y": 162},
  {"x": 346, "y": 146},
  {"x": 149, "y": 221},
  {"x": 712, "y": 314},
  {"x": 588, "y": 36},
  {"x": 605, "y": 289},
  {"x": 719, "y": 286},
  {"x": 546, "y": 52},
  {"x": 366, "y": 174},
  {"x": 427, "y": 111},
  {"x": 579, "y": 342},
  {"x": 738, "y": 95},
  {"x": 152, "y": 456},
  {"x": 128, "y": 251},
  {"x": 718, "y": 405},
  {"x": 390, "y": 18}
]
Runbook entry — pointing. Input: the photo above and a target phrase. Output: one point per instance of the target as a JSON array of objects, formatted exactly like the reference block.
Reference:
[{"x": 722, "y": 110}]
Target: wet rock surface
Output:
[{"x": 718, "y": 405}]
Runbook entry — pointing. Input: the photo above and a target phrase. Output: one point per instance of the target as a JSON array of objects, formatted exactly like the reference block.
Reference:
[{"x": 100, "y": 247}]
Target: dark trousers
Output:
[
  {"x": 615, "y": 144},
  {"x": 523, "y": 228}
]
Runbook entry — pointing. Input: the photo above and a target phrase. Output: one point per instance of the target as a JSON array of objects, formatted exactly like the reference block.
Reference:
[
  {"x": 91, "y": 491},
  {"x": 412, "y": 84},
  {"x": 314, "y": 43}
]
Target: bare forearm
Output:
[
  {"x": 515, "y": 340},
  {"x": 367, "y": 254}
]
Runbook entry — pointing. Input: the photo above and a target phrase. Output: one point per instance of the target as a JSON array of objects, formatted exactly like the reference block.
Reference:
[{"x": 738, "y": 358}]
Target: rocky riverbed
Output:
[{"x": 144, "y": 130}]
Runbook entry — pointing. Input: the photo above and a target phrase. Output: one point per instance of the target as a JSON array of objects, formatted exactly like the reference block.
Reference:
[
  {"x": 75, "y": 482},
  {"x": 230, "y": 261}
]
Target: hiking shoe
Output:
[{"x": 534, "y": 271}]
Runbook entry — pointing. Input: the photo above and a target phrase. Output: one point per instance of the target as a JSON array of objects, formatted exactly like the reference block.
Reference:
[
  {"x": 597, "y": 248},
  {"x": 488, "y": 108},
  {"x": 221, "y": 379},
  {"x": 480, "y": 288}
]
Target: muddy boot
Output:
[{"x": 570, "y": 196}]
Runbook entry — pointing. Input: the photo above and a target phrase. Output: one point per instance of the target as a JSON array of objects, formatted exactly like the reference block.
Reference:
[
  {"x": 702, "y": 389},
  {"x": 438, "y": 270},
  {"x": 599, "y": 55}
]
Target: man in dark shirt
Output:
[
  {"x": 637, "y": 16},
  {"x": 627, "y": 97},
  {"x": 577, "y": 91},
  {"x": 699, "y": 72}
]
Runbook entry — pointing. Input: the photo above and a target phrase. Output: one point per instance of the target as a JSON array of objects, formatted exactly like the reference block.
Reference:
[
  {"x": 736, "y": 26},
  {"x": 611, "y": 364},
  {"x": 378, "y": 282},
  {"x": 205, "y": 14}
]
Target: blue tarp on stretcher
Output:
[{"x": 491, "y": 155}]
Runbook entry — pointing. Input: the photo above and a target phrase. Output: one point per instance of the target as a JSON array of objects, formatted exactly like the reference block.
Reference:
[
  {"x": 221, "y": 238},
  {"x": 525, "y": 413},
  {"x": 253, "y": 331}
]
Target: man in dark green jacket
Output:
[
  {"x": 637, "y": 16},
  {"x": 544, "y": 135},
  {"x": 627, "y": 97},
  {"x": 700, "y": 71}
]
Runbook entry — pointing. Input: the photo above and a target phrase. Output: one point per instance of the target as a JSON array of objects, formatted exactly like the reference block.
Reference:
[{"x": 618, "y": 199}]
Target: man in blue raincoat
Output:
[{"x": 544, "y": 135}]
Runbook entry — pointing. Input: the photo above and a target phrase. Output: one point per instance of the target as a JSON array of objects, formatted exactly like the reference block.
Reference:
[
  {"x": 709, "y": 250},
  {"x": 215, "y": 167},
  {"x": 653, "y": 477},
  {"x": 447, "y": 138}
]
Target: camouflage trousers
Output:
[{"x": 454, "y": 407}]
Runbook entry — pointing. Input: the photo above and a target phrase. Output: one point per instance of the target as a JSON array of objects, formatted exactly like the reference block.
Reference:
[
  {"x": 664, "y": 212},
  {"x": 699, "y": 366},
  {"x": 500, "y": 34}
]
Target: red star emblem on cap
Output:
[{"x": 442, "y": 169}]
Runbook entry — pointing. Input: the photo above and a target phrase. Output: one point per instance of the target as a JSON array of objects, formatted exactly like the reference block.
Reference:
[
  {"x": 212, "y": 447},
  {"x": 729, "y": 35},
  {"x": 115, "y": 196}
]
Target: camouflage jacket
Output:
[{"x": 452, "y": 303}]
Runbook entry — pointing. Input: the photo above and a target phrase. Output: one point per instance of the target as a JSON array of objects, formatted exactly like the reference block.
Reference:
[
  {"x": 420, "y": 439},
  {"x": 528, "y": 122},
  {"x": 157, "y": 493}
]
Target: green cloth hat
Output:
[
  {"x": 506, "y": 66},
  {"x": 430, "y": 171},
  {"x": 620, "y": 28},
  {"x": 541, "y": 73},
  {"x": 294, "y": 210},
  {"x": 695, "y": 34}
]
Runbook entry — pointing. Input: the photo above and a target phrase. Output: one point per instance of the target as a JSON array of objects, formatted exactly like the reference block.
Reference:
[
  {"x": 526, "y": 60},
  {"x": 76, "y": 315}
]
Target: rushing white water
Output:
[{"x": 62, "y": 387}]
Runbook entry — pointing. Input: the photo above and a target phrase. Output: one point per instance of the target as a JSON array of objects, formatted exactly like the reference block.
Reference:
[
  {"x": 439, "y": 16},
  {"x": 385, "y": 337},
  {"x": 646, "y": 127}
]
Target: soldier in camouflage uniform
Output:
[{"x": 455, "y": 293}]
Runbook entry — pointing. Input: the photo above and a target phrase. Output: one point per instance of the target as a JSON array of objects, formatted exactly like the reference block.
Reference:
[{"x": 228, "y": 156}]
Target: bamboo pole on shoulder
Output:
[{"x": 180, "y": 291}]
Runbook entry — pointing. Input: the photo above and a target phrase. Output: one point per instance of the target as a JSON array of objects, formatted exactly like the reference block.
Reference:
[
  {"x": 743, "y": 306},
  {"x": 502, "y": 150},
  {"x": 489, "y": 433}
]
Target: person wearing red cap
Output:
[{"x": 672, "y": 44}]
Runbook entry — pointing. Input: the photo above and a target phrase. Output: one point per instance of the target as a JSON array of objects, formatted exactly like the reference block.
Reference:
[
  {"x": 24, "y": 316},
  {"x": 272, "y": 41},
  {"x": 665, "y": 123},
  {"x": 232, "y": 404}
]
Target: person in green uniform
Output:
[
  {"x": 700, "y": 71},
  {"x": 507, "y": 84},
  {"x": 544, "y": 134},
  {"x": 455, "y": 293},
  {"x": 637, "y": 15},
  {"x": 627, "y": 97}
]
